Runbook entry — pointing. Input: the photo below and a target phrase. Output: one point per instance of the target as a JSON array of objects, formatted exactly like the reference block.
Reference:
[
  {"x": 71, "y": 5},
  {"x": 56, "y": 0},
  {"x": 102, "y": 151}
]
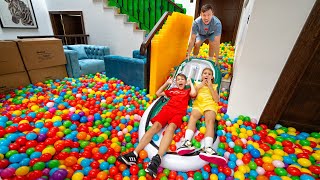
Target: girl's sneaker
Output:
[
  {"x": 210, "y": 155},
  {"x": 186, "y": 148}
]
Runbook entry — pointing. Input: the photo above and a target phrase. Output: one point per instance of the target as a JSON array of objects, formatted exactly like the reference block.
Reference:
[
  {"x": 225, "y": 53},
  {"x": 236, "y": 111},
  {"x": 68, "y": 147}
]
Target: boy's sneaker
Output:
[
  {"x": 212, "y": 156},
  {"x": 186, "y": 148},
  {"x": 128, "y": 159},
  {"x": 153, "y": 166}
]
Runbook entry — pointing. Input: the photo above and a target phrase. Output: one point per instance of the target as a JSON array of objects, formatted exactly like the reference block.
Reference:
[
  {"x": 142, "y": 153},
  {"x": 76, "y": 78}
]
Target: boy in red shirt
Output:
[{"x": 171, "y": 114}]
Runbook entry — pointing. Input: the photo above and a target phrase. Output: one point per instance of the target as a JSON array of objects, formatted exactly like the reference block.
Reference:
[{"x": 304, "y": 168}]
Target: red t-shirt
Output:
[{"x": 178, "y": 99}]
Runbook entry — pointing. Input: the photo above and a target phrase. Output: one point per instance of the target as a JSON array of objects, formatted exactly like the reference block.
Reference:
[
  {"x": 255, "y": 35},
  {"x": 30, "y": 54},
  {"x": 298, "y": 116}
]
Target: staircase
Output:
[{"x": 145, "y": 12}]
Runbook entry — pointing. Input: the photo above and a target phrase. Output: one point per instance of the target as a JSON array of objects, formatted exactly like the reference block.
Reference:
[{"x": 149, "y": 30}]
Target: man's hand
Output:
[{"x": 187, "y": 55}]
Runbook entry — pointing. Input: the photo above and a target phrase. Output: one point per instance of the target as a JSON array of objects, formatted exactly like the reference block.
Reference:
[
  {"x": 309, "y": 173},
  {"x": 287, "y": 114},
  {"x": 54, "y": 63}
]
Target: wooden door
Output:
[
  {"x": 295, "y": 100},
  {"x": 229, "y": 12}
]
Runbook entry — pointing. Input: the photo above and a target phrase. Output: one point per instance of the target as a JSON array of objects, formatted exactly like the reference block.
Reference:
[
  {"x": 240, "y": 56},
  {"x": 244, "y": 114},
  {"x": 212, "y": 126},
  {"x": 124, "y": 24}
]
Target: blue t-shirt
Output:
[{"x": 214, "y": 27}]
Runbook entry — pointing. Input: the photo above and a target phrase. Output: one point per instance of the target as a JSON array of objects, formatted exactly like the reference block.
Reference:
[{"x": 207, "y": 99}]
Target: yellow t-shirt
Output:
[{"x": 204, "y": 100}]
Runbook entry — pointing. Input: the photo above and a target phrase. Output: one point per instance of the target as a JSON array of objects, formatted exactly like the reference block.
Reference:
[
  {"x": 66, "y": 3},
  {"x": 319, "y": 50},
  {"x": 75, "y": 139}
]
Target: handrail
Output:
[
  {"x": 175, "y": 5},
  {"x": 66, "y": 39},
  {"x": 145, "y": 12},
  {"x": 155, "y": 29}
]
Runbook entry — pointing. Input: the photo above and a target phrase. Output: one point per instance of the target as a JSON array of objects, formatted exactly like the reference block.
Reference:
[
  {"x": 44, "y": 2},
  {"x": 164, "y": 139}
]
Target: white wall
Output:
[
  {"x": 102, "y": 26},
  {"x": 243, "y": 26},
  {"x": 43, "y": 20},
  {"x": 271, "y": 34},
  {"x": 190, "y": 7}
]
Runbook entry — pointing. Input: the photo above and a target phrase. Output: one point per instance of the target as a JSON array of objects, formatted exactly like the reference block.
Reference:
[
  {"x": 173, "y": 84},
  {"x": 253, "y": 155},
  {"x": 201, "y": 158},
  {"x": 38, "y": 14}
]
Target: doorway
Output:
[
  {"x": 70, "y": 24},
  {"x": 228, "y": 12},
  {"x": 295, "y": 100}
]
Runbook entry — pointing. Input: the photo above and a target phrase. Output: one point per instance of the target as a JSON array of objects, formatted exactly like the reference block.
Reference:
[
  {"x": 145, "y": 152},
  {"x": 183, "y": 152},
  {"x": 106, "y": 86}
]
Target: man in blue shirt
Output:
[{"x": 207, "y": 26}]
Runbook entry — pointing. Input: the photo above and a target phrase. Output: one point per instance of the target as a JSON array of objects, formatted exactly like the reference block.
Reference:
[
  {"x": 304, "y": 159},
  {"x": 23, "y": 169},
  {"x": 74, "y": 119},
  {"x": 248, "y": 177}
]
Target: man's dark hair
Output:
[
  {"x": 206, "y": 7},
  {"x": 182, "y": 75}
]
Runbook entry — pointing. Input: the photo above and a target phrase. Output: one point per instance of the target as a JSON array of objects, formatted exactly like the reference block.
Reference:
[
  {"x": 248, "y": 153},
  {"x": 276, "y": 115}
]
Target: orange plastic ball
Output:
[
  {"x": 261, "y": 177},
  {"x": 70, "y": 161},
  {"x": 268, "y": 166},
  {"x": 122, "y": 167},
  {"x": 143, "y": 154},
  {"x": 82, "y": 135}
]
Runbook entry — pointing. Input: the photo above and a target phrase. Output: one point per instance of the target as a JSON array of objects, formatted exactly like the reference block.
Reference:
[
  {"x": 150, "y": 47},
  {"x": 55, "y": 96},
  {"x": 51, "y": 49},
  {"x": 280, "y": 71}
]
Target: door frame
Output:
[
  {"x": 300, "y": 57},
  {"x": 197, "y": 12}
]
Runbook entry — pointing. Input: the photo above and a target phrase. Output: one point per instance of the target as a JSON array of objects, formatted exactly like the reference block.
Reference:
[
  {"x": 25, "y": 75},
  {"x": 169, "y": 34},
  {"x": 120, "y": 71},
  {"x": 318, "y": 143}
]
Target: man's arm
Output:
[
  {"x": 191, "y": 43},
  {"x": 216, "y": 48}
]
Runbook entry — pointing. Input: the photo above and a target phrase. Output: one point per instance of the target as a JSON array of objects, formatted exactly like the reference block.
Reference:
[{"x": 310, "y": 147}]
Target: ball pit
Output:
[
  {"x": 226, "y": 59},
  {"x": 76, "y": 128}
]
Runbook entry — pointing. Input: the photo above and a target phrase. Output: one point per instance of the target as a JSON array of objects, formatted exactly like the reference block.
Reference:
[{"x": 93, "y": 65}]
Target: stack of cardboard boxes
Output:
[
  {"x": 30, "y": 60},
  {"x": 12, "y": 72}
]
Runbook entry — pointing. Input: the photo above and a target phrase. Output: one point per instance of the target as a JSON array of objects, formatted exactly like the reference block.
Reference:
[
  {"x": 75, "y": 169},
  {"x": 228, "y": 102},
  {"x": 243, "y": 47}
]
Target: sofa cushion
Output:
[
  {"x": 91, "y": 66},
  {"x": 80, "y": 50}
]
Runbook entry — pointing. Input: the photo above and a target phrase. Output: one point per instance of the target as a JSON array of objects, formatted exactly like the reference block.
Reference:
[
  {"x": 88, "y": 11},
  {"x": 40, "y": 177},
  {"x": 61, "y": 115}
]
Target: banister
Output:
[
  {"x": 155, "y": 29},
  {"x": 175, "y": 5}
]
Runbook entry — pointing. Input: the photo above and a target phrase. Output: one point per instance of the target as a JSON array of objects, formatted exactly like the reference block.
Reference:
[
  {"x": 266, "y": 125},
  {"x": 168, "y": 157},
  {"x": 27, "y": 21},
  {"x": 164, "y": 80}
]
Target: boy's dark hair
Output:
[
  {"x": 206, "y": 7},
  {"x": 182, "y": 75}
]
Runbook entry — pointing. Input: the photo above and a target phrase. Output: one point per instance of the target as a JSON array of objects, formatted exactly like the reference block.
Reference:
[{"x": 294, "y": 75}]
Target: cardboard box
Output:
[
  {"x": 9, "y": 82},
  {"x": 41, "y": 52},
  {"x": 10, "y": 59},
  {"x": 44, "y": 74}
]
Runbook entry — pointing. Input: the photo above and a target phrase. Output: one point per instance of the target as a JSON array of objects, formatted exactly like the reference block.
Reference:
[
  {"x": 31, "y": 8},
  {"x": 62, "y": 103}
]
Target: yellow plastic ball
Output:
[
  {"x": 267, "y": 159},
  {"x": 278, "y": 152},
  {"x": 285, "y": 178},
  {"x": 77, "y": 176},
  {"x": 203, "y": 130},
  {"x": 49, "y": 150},
  {"x": 23, "y": 170},
  {"x": 242, "y": 169},
  {"x": 304, "y": 162},
  {"x": 316, "y": 156},
  {"x": 239, "y": 175},
  {"x": 276, "y": 157},
  {"x": 34, "y": 107},
  {"x": 213, "y": 177},
  {"x": 305, "y": 170}
]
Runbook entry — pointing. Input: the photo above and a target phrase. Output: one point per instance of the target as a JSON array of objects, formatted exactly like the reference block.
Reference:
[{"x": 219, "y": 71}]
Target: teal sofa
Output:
[
  {"x": 131, "y": 70},
  {"x": 85, "y": 59}
]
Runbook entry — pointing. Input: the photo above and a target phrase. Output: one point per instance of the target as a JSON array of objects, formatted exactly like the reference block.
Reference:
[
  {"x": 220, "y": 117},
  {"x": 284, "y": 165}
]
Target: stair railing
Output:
[
  {"x": 145, "y": 47},
  {"x": 145, "y": 12}
]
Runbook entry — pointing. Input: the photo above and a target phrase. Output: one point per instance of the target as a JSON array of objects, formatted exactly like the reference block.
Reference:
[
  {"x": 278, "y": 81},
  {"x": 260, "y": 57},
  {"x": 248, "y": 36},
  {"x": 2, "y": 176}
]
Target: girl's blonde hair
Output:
[{"x": 207, "y": 68}]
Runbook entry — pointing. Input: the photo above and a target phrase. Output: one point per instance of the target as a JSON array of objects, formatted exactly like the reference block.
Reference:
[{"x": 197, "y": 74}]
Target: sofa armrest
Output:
[
  {"x": 72, "y": 66},
  {"x": 136, "y": 54},
  {"x": 131, "y": 71},
  {"x": 96, "y": 52}
]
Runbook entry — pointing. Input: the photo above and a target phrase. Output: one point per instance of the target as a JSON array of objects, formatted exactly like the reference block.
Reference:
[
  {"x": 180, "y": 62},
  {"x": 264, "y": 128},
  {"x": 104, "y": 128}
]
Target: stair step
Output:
[{"x": 122, "y": 16}]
